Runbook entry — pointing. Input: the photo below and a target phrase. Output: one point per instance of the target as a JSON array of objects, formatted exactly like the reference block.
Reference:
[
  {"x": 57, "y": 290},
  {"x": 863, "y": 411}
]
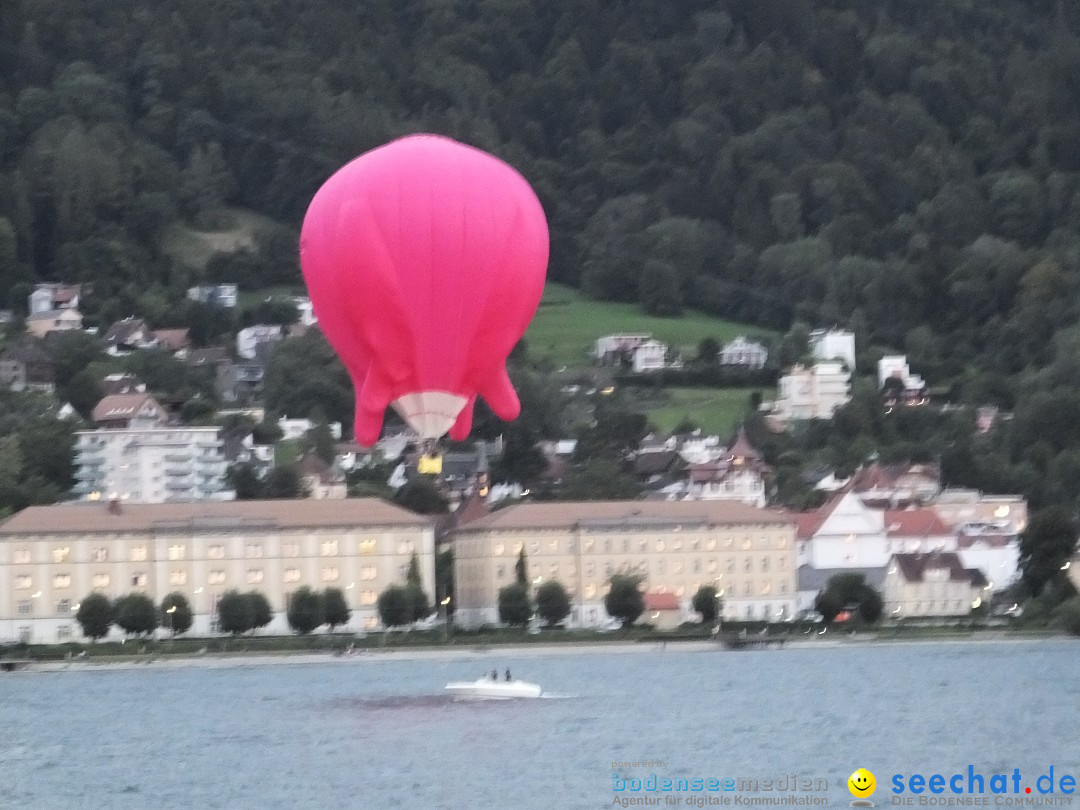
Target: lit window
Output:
[
  {"x": 710, "y": 544},
  {"x": 61, "y": 553},
  {"x": 553, "y": 545},
  {"x": 677, "y": 544},
  {"x": 216, "y": 552},
  {"x": 292, "y": 575},
  {"x": 215, "y": 577},
  {"x": 366, "y": 546},
  {"x": 254, "y": 576},
  {"x": 588, "y": 544},
  {"x": 368, "y": 597},
  {"x": 61, "y": 581},
  {"x": 766, "y": 588},
  {"x": 328, "y": 548},
  {"x": 21, "y": 556},
  {"x": 100, "y": 555},
  {"x": 590, "y": 591},
  {"x": 500, "y": 548},
  {"x": 660, "y": 545},
  {"x": 23, "y": 583},
  {"x": 101, "y": 580},
  {"x": 178, "y": 577},
  {"x": 253, "y": 551},
  {"x": 329, "y": 574},
  {"x": 369, "y": 572},
  {"x": 176, "y": 551},
  {"x": 680, "y": 590},
  {"x": 138, "y": 553},
  {"x": 747, "y": 542}
]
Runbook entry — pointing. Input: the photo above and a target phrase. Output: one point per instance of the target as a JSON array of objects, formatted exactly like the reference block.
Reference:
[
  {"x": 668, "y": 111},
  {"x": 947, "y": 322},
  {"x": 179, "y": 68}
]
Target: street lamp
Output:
[
  {"x": 169, "y": 612},
  {"x": 446, "y": 616}
]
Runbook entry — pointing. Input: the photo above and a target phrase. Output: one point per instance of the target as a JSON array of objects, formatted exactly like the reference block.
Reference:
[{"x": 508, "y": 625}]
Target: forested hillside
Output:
[{"x": 908, "y": 168}]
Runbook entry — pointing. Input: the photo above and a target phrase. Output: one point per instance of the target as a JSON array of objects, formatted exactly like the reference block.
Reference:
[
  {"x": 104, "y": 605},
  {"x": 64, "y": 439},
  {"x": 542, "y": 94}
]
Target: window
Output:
[
  {"x": 713, "y": 566},
  {"x": 25, "y": 607},
  {"x": 695, "y": 544},
  {"x": 290, "y": 549},
  {"x": 63, "y": 607},
  {"x": 746, "y": 588},
  {"x": 369, "y": 572},
  {"x": 366, "y": 546},
  {"x": 61, "y": 581},
  {"x": 138, "y": 580},
  {"x": 677, "y": 544},
  {"x": 368, "y": 597},
  {"x": 101, "y": 580},
  {"x": 500, "y": 571},
  {"x": 535, "y": 546},
  {"x": 405, "y": 547},
  {"x": 731, "y": 565},
  {"x": 61, "y": 553},
  {"x": 764, "y": 563},
  {"x": 590, "y": 591},
  {"x": 626, "y": 544},
  {"x": 292, "y": 575},
  {"x": 254, "y": 576},
  {"x": 710, "y": 544},
  {"x": 554, "y": 569},
  {"x": 783, "y": 587},
  {"x": 588, "y": 546},
  {"x": 783, "y": 563},
  {"x": 553, "y": 545},
  {"x": 216, "y": 552},
  {"x": 660, "y": 545},
  {"x": 329, "y": 574},
  {"x": 23, "y": 583},
  {"x": 138, "y": 553},
  {"x": 590, "y": 568},
  {"x": 177, "y": 551},
  {"x": 680, "y": 590},
  {"x": 21, "y": 556},
  {"x": 63, "y": 632},
  {"x": 178, "y": 577},
  {"x": 747, "y": 565},
  {"x": 328, "y": 548},
  {"x": 766, "y": 588},
  {"x": 215, "y": 577},
  {"x": 677, "y": 568},
  {"x": 696, "y": 566},
  {"x": 100, "y": 555},
  {"x": 747, "y": 542},
  {"x": 500, "y": 548},
  {"x": 253, "y": 551},
  {"x": 660, "y": 566}
]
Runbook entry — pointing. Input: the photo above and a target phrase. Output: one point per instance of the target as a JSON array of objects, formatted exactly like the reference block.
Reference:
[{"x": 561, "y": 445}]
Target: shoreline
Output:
[{"x": 472, "y": 653}]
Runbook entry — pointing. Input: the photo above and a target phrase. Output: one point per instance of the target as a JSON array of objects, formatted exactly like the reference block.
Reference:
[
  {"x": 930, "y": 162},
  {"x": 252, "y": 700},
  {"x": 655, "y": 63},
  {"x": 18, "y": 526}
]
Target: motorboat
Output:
[{"x": 490, "y": 689}]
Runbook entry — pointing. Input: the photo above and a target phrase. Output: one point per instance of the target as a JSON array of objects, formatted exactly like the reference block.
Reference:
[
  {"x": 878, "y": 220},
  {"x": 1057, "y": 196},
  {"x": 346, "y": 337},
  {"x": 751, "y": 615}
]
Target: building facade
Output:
[
  {"x": 813, "y": 392},
  {"x": 53, "y": 556},
  {"x": 747, "y": 554},
  {"x": 743, "y": 352},
  {"x": 935, "y": 584},
  {"x": 833, "y": 344},
  {"x": 152, "y": 465}
]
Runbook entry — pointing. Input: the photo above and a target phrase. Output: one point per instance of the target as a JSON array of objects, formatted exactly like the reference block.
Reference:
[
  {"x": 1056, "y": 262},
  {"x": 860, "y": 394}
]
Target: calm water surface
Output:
[{"x": 377, "y": 732}]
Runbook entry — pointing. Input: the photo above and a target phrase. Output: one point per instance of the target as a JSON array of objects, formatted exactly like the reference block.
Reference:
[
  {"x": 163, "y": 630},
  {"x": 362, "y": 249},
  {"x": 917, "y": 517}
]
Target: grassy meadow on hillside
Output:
[
  {"x": 716, "y": 411},
  {"x": 568, "y": 323}
]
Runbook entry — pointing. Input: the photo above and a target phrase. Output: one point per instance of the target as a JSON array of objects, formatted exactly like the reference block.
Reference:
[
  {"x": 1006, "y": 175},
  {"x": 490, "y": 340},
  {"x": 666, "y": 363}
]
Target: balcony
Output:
[
  {"x": 178, "y": 486},
  {"x": 177, "y": 458}
]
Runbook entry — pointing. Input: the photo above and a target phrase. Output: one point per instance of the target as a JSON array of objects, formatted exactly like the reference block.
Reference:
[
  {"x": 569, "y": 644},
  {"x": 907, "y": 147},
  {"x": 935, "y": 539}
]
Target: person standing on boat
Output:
[
  {"x": 508, "y": 675},
  {"x": 494, "y": 675}
]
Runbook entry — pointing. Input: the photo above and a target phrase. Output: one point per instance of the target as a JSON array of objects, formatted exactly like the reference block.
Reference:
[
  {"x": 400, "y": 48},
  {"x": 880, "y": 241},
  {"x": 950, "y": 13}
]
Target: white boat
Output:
[{"x": 488, "y": 689}]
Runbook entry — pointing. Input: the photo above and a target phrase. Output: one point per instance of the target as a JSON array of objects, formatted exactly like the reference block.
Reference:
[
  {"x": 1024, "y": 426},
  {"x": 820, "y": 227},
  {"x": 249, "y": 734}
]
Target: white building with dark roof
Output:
[{"x": 743, "y": 352}]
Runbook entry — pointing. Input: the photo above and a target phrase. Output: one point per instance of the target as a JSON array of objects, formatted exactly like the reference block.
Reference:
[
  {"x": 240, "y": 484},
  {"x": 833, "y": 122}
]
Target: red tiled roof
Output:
[
  {"x": 808, "y": 523},
  {"x": 121, "y": 406},
  {"x": 914, "y": 566},
  {"x": 172, "y": 339},
  {"x": 661, "y": 601},
  {"x": 914, "y": 523}
]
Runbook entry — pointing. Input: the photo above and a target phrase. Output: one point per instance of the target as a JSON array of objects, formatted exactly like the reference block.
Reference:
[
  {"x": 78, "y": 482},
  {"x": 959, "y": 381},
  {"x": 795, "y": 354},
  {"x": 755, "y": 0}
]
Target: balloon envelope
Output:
[{"x": 425, "y": 261}]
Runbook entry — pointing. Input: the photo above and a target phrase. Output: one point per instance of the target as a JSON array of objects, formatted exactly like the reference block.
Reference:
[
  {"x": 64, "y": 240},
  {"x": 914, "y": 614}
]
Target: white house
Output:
[
  {"x": 52, "y": 297},
  {"x": 843, "y": 533},
  {"x": 649, "y": 356},
  {"x": 222, "y": 295},
  {"x": 151, "y": 465},
  {"x": 833, "y": 344},
  {"x": 743, "y": 352},
  {"x": 896, "y": 365},
  {"x": 814, "y": 392},
  {"x": 247, "y": 340},
  {"x": 306, "y": 310},
  {"x": 296, "y": 428}
]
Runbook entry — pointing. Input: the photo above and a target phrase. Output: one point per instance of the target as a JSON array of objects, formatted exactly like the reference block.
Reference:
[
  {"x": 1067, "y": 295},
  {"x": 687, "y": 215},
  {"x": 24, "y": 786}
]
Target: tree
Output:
[
  {"x": 259, "y": 608},
  {"x": 421, "y": 495},
  {"x": 176, "y": 613},
  {"x": 95, "y": 616},
  {"x": 515, "y": 608},
  {"x": 552, "y": 602},
  {"x": 705, "y": 602},
  {"x": 395, "y": 606},
  {"x": 235, "y": 614},
  {"x": 335, "y": 607},
  {"x": 283, "y": 482},
  {"x": 849, "y": 591},
  {"x": 305, "y": 610},
  {"x": 418, "y": 600},
  {"x": 1045, "y": 546},
  {"x": 521, "y": 568},
  {"x": 599, "y": 480},
  {"x": 624, "y": 600},
  {"x": 136, "y": 614}
]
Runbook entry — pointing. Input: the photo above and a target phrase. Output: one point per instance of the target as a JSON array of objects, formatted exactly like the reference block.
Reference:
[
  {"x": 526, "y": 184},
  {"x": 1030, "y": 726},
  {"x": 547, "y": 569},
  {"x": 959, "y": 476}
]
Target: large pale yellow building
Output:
[
  {"x": 746, "y": 553},
  {"x": 53, "y": 556}
]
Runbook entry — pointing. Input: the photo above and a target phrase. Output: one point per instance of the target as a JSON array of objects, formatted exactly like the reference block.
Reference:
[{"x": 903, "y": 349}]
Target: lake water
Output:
[{"x": 376, "y": 732}]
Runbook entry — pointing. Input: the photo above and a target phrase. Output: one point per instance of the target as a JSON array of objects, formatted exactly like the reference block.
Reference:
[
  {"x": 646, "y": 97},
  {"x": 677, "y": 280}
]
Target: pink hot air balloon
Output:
[{"x": 425, "y": 261}]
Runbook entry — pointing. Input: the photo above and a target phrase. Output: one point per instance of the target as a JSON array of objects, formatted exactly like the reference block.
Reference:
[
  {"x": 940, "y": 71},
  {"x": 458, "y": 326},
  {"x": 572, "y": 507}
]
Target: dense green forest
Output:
[{"x": 909, "y": 169}]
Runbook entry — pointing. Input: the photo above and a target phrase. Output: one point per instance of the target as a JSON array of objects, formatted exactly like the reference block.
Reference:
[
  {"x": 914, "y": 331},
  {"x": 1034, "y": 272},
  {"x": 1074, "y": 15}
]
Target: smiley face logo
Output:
[{"x": 862, "y": 783}]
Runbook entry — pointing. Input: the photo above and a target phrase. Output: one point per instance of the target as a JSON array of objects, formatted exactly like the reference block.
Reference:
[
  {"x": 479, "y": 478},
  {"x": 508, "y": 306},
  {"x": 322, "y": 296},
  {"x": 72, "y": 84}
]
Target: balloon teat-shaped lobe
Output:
[{"x": 425, "y": 261}]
